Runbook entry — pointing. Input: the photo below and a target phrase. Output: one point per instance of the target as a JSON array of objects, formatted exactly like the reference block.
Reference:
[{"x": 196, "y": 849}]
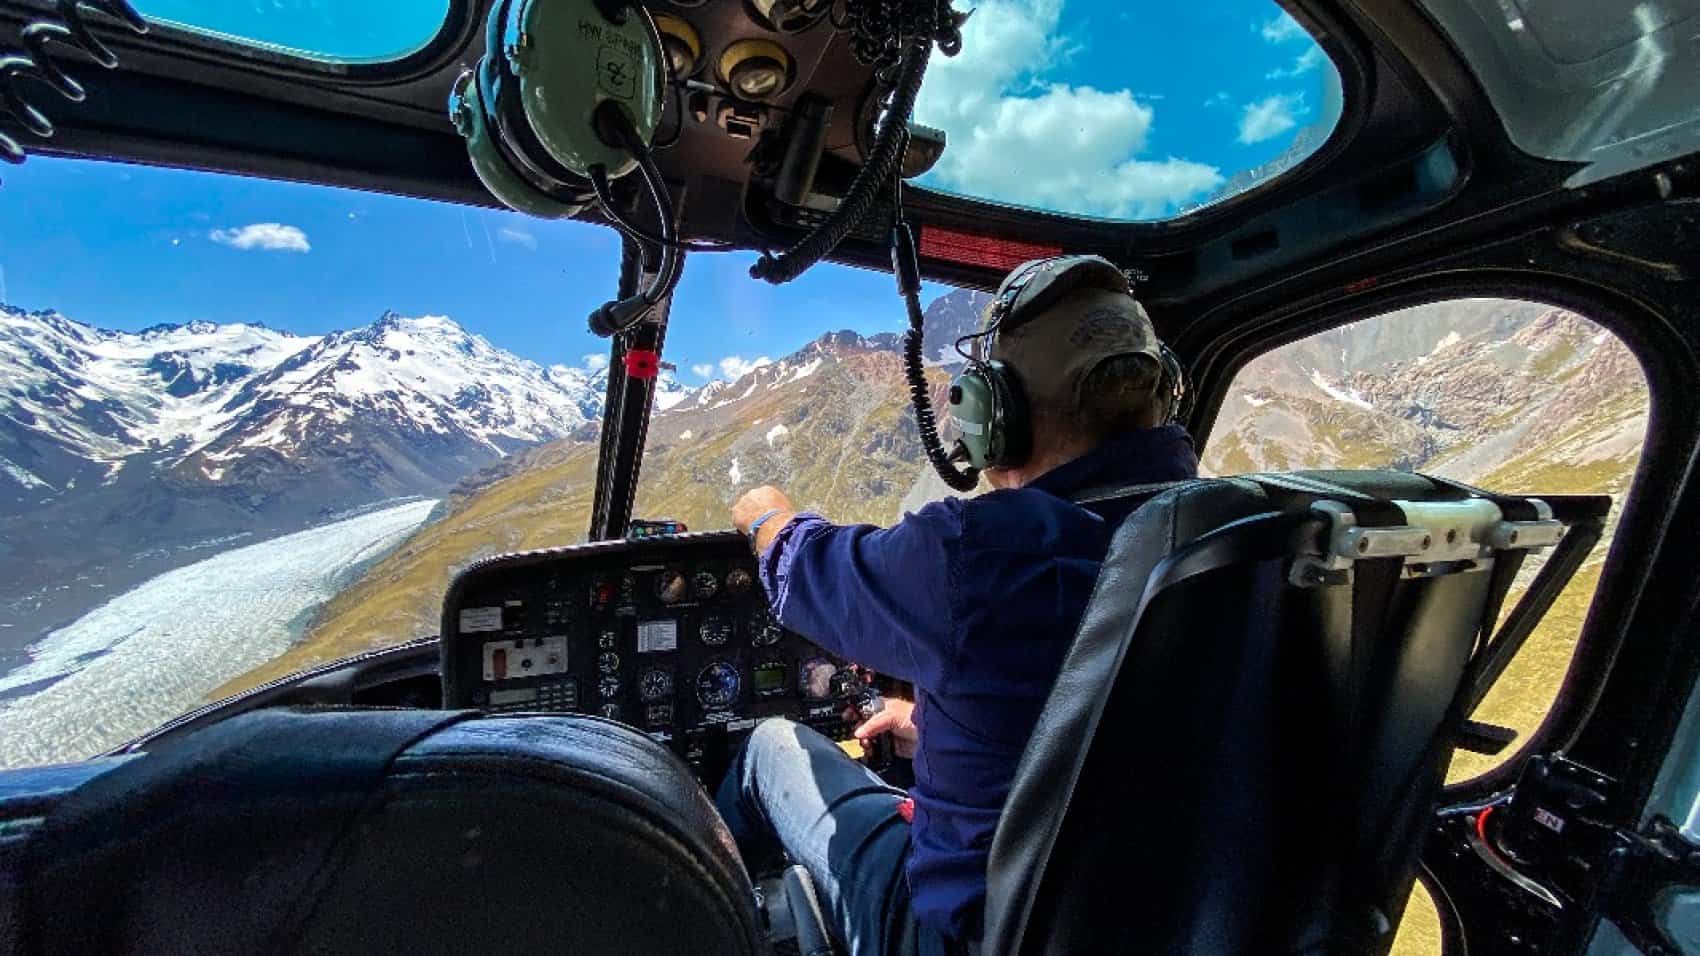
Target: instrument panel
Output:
[{"x": 671, "y": 635}]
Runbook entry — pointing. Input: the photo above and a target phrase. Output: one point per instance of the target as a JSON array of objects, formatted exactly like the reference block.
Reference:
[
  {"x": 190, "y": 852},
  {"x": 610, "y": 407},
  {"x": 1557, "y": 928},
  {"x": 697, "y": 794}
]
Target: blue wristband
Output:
[{"x": 755, "y": 526}]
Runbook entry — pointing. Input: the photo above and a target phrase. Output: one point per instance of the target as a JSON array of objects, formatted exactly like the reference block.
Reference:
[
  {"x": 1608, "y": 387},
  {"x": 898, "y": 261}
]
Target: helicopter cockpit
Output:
[{"x": 1247, "y": 747}]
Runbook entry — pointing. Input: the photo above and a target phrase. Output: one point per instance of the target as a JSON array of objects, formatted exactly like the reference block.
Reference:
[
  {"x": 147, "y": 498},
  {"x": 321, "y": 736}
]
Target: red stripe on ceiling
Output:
[{"x": 987, "y": 252}]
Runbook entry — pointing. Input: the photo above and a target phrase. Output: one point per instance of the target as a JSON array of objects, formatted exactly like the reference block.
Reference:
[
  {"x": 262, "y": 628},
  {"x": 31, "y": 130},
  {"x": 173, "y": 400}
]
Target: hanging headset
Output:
[{"x": 568, "y": 97}]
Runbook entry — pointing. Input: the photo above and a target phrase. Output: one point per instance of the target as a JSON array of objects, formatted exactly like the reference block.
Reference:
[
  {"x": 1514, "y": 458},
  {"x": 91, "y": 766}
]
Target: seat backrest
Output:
[
  {"x": 391, "y": 832},
  {"x": 1247, "y": 735}
]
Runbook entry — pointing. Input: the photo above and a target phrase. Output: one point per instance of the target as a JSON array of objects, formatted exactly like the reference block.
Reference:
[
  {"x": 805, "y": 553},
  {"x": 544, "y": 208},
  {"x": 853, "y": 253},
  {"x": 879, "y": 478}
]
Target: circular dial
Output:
[
  {"x": 671, "y": 587},
  {"x": 814, "y": 678},
  {"x": 705, "y": 585},
  {"x": 655, "y": 684},
  {"x": 608, "y": 662},
  {"x": 608, "y": 686},
  {"x": 717, "y": 686},
  {"x": 738, "y": 581},
  {"x": 610, "y": 711},
  {"x": 715, "y": 630},
  {"x": 764, "y": 630},
  {"x": 606, "y": 641}
]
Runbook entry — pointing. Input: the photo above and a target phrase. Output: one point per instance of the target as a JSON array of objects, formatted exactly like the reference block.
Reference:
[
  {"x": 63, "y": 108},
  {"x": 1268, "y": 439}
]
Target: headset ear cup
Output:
[
  {"x": 491, "y": 164},
  {"x": 973, "y": 407},
  {"x": 1012, "y": 424}
]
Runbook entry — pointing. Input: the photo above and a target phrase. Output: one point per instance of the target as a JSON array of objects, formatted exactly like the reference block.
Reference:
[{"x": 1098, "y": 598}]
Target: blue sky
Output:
[{"x": 1120, "y": 109}]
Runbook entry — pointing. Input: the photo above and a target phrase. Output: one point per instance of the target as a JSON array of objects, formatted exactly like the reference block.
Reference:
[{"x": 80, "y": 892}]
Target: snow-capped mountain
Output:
[
  {"x": 218, "y": 395},
  {"x": 76, "y": 396},
  {"x": 119, "y": 450}
]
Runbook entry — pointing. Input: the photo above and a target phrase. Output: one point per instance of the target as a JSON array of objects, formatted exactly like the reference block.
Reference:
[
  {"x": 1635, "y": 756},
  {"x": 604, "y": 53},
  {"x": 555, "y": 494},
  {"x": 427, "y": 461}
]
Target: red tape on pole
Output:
[{"x": 643, "y": 364}]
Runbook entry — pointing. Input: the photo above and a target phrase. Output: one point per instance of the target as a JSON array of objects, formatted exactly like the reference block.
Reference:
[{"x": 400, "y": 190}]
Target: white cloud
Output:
[
  {"x": 1221, "y": 98},
  {"x": 1282, "y": 29},
  {"x": 1017, "y": 135},
  {"x": 1270, "y": 117},
  {"x": 596, "y": 361},
  {"x": 734, "y": 367},
  {"x": 517, "y": 236},
  {"x": 268, "y": 236},
  {"x": 704, "y": 370},
  {"x": 1302, "y": 64}
]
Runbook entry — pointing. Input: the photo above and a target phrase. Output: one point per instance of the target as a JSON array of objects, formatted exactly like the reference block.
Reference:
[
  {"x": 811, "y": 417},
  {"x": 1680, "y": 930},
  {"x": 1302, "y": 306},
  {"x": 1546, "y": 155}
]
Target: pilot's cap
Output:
[{"x": 1055, "y": 320}]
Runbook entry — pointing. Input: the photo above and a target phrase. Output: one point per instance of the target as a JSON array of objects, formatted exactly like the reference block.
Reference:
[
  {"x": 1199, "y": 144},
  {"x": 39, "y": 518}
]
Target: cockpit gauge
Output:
[
  {"x": 705, "y": 585},
  {"x": 718, "y": 685},
  {"x": 608, "y": 662},
  {"x": 764, "y": 630},
  {"x": 557, "y": 614},
  {"x": 715, "y": 631},
  {"x": 814, "y": 678},
  {"x": 608, "y": 687},
  {"x": 610, "y": 711},
  {"x": 655, "y": 684},
  {"x": 607, "y": 640},
  {"x": 628, "y": 589},
  {"x": 671, "y": 587},
  {"x": 738, "y": 581}
]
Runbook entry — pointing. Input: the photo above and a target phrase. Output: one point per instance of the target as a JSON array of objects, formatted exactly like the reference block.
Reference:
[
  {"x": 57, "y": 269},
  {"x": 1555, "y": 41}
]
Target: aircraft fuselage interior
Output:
[{"x": 1252, "y": 742}]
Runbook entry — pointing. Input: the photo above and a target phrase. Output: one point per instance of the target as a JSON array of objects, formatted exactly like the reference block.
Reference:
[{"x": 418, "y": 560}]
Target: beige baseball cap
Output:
[{"x": 1055, "y": 320}]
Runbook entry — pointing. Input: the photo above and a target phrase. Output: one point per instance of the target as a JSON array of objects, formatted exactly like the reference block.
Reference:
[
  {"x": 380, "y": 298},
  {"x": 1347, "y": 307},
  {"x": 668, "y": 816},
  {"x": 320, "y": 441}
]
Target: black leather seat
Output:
[
  {"x": 386, "y": 832},
  {"x": 1235, "y": 759}
]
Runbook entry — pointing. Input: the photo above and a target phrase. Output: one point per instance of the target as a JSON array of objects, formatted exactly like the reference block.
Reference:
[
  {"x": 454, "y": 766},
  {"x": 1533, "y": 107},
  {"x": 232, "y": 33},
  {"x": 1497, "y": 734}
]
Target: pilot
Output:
[{"x": 974, "y": 602}]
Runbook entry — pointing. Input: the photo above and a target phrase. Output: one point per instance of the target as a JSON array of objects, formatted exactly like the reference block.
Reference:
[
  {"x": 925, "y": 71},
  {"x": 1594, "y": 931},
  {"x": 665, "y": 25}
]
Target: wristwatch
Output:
[{"x": 755, "y": 526}]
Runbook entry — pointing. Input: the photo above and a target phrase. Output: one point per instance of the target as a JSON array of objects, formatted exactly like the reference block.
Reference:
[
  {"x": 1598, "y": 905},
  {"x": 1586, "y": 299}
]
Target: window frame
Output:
[
  {"x": 1625, "y": 571},
  {"x": 449, "y": 40},
  {"x": 1349, "y": 57}
]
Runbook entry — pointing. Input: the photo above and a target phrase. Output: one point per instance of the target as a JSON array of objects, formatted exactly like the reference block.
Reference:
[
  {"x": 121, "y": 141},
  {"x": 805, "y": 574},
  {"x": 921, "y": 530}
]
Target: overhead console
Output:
[{"x": 671, "y": 635}]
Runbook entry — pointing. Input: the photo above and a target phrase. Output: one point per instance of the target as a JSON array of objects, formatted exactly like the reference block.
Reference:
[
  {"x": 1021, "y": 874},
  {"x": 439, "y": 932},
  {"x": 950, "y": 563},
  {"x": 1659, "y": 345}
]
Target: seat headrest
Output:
[{"x": 392, "y": 831}]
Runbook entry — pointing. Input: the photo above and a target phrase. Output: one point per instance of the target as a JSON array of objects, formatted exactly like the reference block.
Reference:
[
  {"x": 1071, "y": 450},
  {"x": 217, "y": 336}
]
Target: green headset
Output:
[
  {"x": 986, "y": 398},
  {"x": 567, "y": 97}
]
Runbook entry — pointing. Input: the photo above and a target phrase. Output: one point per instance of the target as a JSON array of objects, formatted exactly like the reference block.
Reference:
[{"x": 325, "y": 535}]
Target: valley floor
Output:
[{"x": 155, "y": 651}]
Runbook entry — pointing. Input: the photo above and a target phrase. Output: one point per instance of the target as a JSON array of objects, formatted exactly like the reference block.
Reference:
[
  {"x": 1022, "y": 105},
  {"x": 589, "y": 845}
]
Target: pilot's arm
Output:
[{"x": 882, "y": 597}]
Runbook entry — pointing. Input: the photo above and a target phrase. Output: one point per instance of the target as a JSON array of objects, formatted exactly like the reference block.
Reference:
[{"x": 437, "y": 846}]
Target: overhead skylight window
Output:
[
  {"x": 1130, "y": 111},
  {"x": 336, "y": 31}
]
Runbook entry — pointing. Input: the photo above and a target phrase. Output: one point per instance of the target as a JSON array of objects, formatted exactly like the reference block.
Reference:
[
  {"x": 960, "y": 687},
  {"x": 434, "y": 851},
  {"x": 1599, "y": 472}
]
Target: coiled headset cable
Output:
[
  {"x": 883, "y": 32},
  {"x": 36, "y": 62},
  {"x": 906, "y": 266}
]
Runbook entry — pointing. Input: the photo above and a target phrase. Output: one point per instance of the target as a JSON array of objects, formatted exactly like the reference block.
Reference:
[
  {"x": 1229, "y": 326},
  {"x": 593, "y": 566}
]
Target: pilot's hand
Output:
[
  {"x": 897, "y": 718},
  {"x": 758, "y": 502}
]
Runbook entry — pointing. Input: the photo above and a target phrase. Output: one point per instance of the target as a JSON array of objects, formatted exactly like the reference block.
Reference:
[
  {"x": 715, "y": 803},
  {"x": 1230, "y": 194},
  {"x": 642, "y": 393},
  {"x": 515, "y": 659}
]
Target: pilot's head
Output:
[{"x": 1068, "y": 337}]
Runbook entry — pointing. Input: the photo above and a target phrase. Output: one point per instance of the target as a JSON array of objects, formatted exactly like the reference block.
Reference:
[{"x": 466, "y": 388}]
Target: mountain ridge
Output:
[{"x": 118, "y": 444}]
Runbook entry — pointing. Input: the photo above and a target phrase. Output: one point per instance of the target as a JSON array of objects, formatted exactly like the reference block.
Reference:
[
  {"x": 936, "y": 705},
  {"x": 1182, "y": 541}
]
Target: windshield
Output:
[
  {"x": 248, "y": 426},
  {"x": 370, "y": 31},
  {"x": 1132, "y": 111}
]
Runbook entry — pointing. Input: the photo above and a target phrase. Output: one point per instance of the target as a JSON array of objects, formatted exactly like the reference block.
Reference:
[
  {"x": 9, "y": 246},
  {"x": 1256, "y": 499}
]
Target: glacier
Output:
[{"x": 157, "y": 650}]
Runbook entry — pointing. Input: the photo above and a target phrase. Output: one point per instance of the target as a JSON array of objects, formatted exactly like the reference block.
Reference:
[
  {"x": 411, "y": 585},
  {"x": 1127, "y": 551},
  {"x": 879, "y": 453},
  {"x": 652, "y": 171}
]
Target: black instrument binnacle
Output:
[{"x": 672, "y": 635}]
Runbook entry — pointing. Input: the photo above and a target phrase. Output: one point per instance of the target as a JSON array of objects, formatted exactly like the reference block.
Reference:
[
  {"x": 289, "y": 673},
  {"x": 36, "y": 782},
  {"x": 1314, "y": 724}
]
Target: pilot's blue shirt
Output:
[{"x": 975, "y": 601}]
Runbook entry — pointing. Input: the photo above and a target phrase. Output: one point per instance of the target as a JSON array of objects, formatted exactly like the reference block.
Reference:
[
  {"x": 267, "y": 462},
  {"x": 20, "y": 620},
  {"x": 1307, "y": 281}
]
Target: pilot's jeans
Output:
[{"x": 840, "y": 821}]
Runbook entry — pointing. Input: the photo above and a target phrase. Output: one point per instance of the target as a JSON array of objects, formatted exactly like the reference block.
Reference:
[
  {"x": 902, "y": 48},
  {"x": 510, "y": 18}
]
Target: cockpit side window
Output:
[{"x": 1508, "y": 395}]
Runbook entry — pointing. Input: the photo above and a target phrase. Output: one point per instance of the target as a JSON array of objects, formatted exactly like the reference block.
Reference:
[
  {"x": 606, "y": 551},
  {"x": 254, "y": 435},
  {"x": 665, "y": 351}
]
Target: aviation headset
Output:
[
  {"x": 987, "y": 401},
  {"x": 567, "y": 96}
]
